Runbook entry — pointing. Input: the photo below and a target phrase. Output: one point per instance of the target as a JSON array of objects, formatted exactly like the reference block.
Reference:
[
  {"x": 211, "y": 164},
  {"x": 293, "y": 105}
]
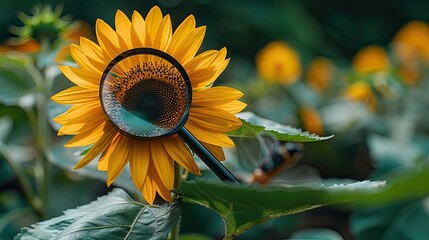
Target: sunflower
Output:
[
  {"x": 320, "y": 73},
  {"x": 277, "y": 62},
  {"x": 371, "y": 59},
  {"x": 151, "y": 162}
]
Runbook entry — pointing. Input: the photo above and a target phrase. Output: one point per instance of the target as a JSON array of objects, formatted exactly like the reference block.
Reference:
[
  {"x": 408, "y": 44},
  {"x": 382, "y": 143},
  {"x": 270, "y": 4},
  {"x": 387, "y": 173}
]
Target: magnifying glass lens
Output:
[{"x": 145, "y": 96}]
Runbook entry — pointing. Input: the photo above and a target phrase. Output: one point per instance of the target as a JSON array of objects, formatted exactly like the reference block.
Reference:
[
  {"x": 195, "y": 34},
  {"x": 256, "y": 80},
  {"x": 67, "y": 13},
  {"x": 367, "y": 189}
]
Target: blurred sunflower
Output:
[
  {"x": 410, "y": 47},
  {"x": 371, "y": 59},
  {"x": 411, "y": 42},
  {"x": 361, "y": 91},
  {"x": 151, "y": 161},
  {"x": 278, "y": 62},
  {"x": 320, "y": 73},
  {"x": 311, "y": 120}
]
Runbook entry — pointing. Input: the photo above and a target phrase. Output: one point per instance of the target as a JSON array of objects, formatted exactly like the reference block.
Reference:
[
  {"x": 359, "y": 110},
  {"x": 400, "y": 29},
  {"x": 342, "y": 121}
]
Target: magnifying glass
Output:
[{"x": 152, "y": 100}]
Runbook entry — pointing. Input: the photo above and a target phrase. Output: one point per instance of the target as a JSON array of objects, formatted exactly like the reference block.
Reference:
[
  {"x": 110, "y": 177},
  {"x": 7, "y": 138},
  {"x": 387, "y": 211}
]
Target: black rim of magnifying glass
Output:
[{"x": 205, "y": 155}]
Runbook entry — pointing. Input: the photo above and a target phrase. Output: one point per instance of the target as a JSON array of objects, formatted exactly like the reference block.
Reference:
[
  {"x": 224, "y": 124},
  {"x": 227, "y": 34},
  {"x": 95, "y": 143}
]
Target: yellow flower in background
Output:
[
  {"x": 277, "y": 62},
  {"x": 311, "y": 120},
  {"x": 371, "y": 59},
  {"x": 411, "y": 48},
  {"x": 151, "y": 161},
  {"x": 411, "y": 42},
  {"x": 320, "y": 73},
  {"x": 361, "y": 91}
]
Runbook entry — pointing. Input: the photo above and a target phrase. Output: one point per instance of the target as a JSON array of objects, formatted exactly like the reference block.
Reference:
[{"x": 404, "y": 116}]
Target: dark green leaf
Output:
[
  {"x": 243, "y": 207},
  {"x": 114, "y": 216},
  {"x": 253, "y": 125}
]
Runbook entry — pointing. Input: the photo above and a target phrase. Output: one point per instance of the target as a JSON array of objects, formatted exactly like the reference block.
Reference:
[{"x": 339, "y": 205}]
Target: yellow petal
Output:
[
  {"x": 93, "y": 51},
  {"x": 206, "y": 59},
  {"x": 220, "y": 56},
  {"x": 76, "y": 112},
  {"x": 85, "y": 123},
  {"x": 206, "y": 67},
  {"x": 123, "y": 28},
  {"x": 163, "y": 163},
  {"x": 153, "y": 20},
  {"x": 139, "y": 162},
  {"x": 200, "y": 61},
  {"x": 97, "y": 116},
  {"x": 180, "y": 153},
  {"x": 87, "y": 134},
  {"x": 203, "y": 80},
  {"x": 119, "y": 158},
  {"x": 76, "y": 95},
  {"x": 138, "y": 30},
  {"x": 99, "y": 147},
  {"x": 215, "y": 96},
  {"x": 181, "y": 33},
  {"x": 70, "y": 129},
  {"x": 163, "y": 191},
  {"x": 215, "y": 150},
  {"x": 233, "y": 107},
  {"x": 149, "y": 190},
  {"x": 82, "y": 77},
  {"x": 80, "y": 58},
  {"x": 219, "y": 139},
  {"x": 103, "y": 163},
  {"x": 163, "y": 35},
  {"x": 187, "y": 50},
  {"x": 108, "y": 39},
  {"x": 214, "y": 119}
]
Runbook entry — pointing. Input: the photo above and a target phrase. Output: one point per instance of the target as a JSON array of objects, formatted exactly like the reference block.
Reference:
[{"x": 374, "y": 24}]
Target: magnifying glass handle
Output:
[{"x": 207, "y": 157}]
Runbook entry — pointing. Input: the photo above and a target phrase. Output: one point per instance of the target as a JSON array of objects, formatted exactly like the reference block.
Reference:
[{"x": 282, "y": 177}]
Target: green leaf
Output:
[
  {"x": 16, "y": 80},
  {"x": 243, "y": 207},
  {"x": 253, "y": 125},
  {"x": 114, "y": 216}
]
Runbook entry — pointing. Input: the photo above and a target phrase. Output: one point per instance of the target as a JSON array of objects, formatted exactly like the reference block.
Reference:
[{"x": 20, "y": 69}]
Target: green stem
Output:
[
  {"x": 25, "y": 183},
  {"x": 42, "y": 140},
  {"x": 175, "y": 231},
  {"x": 178, "y": 178},
  {"x": 42, "y": 168}
]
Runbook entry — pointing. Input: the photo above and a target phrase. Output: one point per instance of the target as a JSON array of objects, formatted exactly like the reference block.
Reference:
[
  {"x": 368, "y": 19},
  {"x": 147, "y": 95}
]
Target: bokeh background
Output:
[{"x": 374, "y": 100}]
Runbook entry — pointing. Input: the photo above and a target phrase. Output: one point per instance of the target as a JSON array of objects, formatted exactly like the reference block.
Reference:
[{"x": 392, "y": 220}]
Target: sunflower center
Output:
[
  {"x": 154, "y": 100},
  {"x": 145, "y": 96}
]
